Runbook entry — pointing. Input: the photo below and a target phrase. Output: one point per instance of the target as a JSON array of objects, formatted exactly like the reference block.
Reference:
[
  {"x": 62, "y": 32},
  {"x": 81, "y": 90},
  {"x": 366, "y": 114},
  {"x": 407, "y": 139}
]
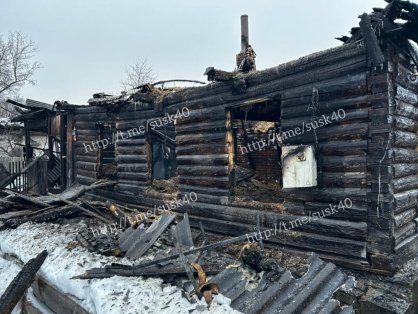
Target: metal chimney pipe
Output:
[{"x": 244, "y": 32}]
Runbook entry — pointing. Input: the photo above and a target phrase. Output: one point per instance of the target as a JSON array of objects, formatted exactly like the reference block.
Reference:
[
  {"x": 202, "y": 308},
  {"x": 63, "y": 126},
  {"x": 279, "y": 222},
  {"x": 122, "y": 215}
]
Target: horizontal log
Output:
[
  {"x": 305, "y": 241},
  {"x": 130, "y": 159},
  {"x": 87, "y": 158},
  {"x": 86, "y": 125},
  {"x": 130, "y": 150},
  {"x": 405, "y": 200},
  {"x": 405, "y": 139},
  {"x": 136, "y": 115},
  {"x": 406, "y": 95},
  {"x": 202, "y": 127},
  {"x": 90, "y": 166},
  {"x": 332, "y": 118},
  {"x": 344, "y": 179},
  {"x": 142, "y": 167},
  {"x": 203, "y": 160},
  {"x": 204, "y": 190},
  {"x": 213, "y": 182},
  {"x": 96, "y": 116},
  {"x": 88, "y": 132},
  {"x": 202, "y": 115},
  {"x": 353, "y": 230},
  {"x": 344, "y": 164},
  {"x": 215, "y": 171},
  {"x": 82, "y": 150},
  {"x": 276, "y": 207},
  {"x": 137, "y": 176},
  {"x": 349, "y": 85},
  {"x": 355, "y": 213},
  {"x": 403, "y": 170},
  {"x": 203, "y": 149},
  {"x": 131, "y": 142},
  {"x": 128, "y": 189},
  {"x": 346, "y": 131},
  {"x": 343, "y": 148},
  {"x": 87, "y": 173},
  {"x": 405, "y": 217},
  {"x": 334, "y": 195},
  {"x": 405, "y": 232},
  {"x": 405, "y": 124},
  {"x": 405, "y": 110},
  {"x": 124, "y": 125},
  {"x": 405, "y": 183},
  {"x": 85, "y": 180},
  {"x": 201, "y": 138},
  {"x": 297, "y": 109},
  {"x": 90, "y": 109},
  {"x": 403, "y": 155}
]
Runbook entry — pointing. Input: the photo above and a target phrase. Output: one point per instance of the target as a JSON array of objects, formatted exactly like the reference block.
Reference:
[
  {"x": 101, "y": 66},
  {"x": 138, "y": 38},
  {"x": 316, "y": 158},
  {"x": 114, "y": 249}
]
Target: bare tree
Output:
[
  {"x": 16, "y": 70},
  {"x": 138, "y": 74},
  {"x": 16, "y": 65}
]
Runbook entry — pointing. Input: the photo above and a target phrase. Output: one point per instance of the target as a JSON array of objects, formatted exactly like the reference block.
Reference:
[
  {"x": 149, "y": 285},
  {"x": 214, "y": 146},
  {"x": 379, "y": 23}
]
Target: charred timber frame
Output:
[{"x": 368, "y": 157}]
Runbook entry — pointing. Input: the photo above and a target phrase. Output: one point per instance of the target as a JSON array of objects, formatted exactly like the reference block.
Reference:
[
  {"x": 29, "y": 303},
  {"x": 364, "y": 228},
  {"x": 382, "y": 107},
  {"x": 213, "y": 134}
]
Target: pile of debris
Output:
[
  {"x": 17, "y": 208},
  {"x": 165, "y": 246}
]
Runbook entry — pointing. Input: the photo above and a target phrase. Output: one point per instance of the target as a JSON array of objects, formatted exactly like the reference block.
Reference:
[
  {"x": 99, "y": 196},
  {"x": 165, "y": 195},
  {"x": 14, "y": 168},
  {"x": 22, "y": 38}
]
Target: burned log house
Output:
[{"x": 368, "y": 157}]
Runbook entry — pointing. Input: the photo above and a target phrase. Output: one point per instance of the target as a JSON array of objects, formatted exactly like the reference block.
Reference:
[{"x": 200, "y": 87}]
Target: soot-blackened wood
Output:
[
  {"x": 405, "y": 183},
  {"x": 405, "y": 232},
  {"x": 405, "y": 200},
  {"x": 405, "y": 139},
  {"x": 320, "y": 243},
  {"x": 201, "y": 138},
  {"x": 402, "y": 155},
  {"x": 130, "y": 159},
  {"x": 343, "y": 148},
  {"x": 248, "y": 216},
  {"x": 203, "y": 171},
  {"x": 406, "y": 110},
  {"x": 205, "y": 190},
  {"x": 203, "y": 149},
  {"x": 21, "y": 283},
  {"x": 403, "y": 170},
  {"x": 298, "y": 108},
  {"x": 375, "y": 53},
  {"x": 344, "y": 164},
  {"x": 203, "y": 160},
  {"x": 405, "y": 217},
  {"x": 344, "y": 179},
  {"x": 354, "y": 115},
  {"x": 405, "y": 124},
  {"x": 217, "y": 182}
]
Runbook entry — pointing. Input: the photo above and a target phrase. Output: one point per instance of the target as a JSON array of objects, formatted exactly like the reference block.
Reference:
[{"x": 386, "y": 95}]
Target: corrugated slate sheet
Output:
[{"x": 280, "y": 292}]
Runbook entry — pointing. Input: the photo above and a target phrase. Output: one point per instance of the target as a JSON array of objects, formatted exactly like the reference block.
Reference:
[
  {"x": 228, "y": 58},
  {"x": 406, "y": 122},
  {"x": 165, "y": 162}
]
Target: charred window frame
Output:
[
  {"x": 106, "y": 132},
  {"x": 240, "y": 118},
  {"x": 162, "y": 145}
]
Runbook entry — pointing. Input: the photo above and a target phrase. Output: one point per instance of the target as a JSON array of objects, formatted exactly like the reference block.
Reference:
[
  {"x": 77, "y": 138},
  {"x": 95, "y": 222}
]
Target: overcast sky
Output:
[{"x": 85, "y": 46}]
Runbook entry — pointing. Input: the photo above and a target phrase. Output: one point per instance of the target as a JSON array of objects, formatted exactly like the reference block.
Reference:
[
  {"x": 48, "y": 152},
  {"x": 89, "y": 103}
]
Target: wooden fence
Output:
[{"x": 15, "y": 165}]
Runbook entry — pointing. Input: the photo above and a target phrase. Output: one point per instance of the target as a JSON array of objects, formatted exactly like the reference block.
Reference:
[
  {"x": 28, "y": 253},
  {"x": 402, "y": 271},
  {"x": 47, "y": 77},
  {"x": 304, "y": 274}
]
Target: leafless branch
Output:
[
  {"x": 16, "y": 67},
  {"x": 138, "y": 74}
]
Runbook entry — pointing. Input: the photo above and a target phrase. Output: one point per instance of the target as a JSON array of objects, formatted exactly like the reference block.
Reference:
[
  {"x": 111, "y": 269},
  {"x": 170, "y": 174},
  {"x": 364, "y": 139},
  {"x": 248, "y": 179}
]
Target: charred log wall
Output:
[
  {"x": 133, "y": 157},
  {"x": 341, "y": 77},
  {"x": 403, "y": 169},
  {"x": 86, "y": 152}
]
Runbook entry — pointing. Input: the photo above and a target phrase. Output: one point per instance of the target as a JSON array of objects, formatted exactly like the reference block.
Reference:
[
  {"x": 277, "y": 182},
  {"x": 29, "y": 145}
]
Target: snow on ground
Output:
[
  {"x": 111, "y": 295},
  {"x": 8, "y": 272}
]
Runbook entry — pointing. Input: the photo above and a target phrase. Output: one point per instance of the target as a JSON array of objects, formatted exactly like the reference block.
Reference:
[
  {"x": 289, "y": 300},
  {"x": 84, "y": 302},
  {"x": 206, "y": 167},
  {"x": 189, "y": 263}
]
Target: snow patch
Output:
[{"x": 112, "y": 295}]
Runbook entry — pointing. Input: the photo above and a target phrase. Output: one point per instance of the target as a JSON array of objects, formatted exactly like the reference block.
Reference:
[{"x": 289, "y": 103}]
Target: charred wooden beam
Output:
[
  {"x": 219, "y": 75},
  {"x": 370, "y": 38},
  {"x": 21, "y": 283}
]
